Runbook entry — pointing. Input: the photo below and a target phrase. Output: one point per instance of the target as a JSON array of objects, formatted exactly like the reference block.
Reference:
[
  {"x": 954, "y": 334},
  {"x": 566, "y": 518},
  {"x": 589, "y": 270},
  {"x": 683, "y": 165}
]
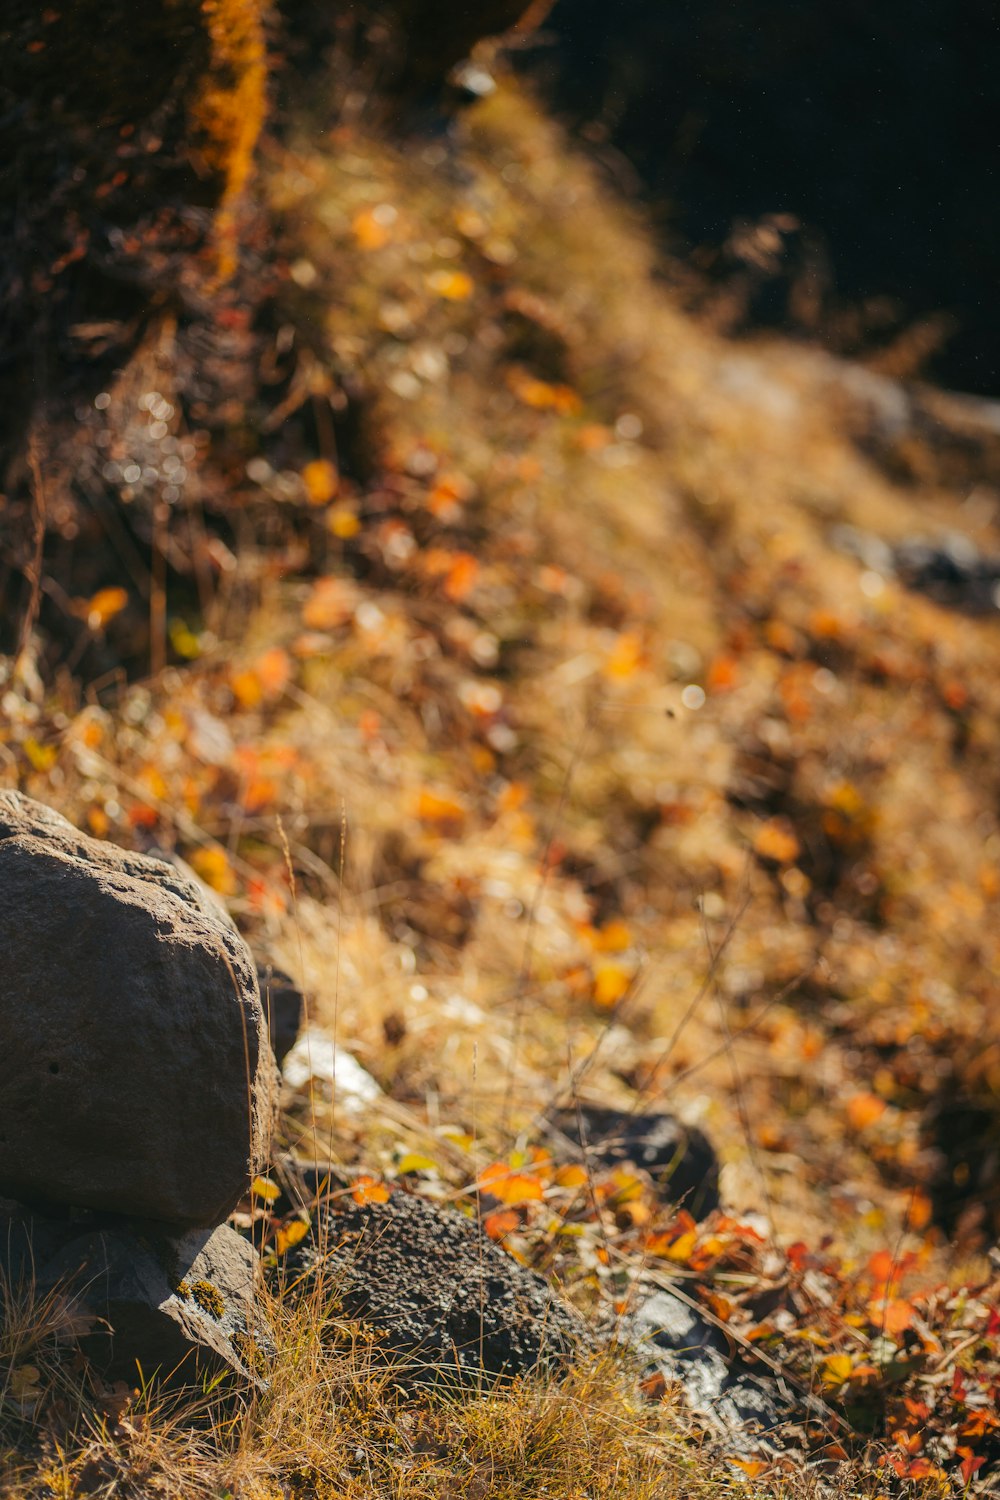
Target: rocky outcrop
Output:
[
  {"x": 137, "y": 1078},
  {"x": 443, "y": 1301},
  {"x": 170, "y": 1306}
]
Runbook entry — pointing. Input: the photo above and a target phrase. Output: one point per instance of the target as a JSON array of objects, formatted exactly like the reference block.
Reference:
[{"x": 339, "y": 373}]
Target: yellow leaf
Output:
[
  {"x": 454, "y": 286},
  {"x": 343, "y": 523},
  {"x": 290, "y": 1234},
  {"x": 321, "y": 481},
  {"x": 572, "y": 1176},
  {"x": 414, "y": 1161},
  {"x": 611, "y": 982},
  {"x": 263, "y": 1187},
  {"x": 836, "y": 1368},
  {"x": 183, "y": 640},
  {"x": 213, "y": 866},
  {"x": 680, "y": 1249},
  {"x": 42, "y": 757}
]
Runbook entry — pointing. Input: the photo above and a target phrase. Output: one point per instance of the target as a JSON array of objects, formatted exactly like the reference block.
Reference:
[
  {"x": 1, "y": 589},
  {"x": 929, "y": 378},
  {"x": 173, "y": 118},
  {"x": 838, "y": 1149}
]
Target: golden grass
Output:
[{"x": 331, "y": 1426}]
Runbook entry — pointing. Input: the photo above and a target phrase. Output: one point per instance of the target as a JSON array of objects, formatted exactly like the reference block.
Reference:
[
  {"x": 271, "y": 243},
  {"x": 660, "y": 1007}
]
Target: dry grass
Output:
[{"x": 331, "y": 1426}]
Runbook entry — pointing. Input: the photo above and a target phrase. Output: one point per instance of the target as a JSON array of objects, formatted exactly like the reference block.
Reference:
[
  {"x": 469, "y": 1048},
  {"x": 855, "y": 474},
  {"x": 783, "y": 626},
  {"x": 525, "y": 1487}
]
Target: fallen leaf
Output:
[
  {"x": 290, "y": 1234},
  {"x": 369, "y": 1190}
]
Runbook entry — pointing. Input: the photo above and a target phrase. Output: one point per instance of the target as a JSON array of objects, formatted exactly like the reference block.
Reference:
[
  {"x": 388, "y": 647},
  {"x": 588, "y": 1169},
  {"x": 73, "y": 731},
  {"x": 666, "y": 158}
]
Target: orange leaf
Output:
[
  {"x": 776, "y": 840},
  {"x": 863, "y": 1110},
  {"x": 273, "y": 671},
  {"x": 454, "y": 286},
  {"x": 371, "y": 227},
  {"x": 882, "y": 1266},
  {"x": 331, "y": 603},
  {"x": 246, "y": 689},
  {"x": 500, "y": 1224},
  {"x": 509, "y": 1186},
  {"x": 438, "y": 807},
  {"x": 212, "y": 865},
  {"x": 722, "y": 675},
  {"x": 104, "y": 605},
  {"x": 895, "y": 1316},
  {"x": 369, "y": 1190},
  {"x": 750, "y": 1466},
  {"x": 626, "y": 656},
  {"x": 461, "y": 577},
  {"x": 613, "y": 937}
]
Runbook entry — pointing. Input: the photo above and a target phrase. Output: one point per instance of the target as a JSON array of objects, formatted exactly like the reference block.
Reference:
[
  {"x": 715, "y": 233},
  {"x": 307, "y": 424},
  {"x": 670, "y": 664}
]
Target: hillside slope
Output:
[{"x": 546, "y": 693}]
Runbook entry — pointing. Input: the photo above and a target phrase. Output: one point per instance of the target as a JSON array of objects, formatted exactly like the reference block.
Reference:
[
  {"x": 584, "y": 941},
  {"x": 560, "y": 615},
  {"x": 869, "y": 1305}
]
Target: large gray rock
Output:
[
  {"x": 142, "y": 1305},
  {"x": 136, "y": 1074}
]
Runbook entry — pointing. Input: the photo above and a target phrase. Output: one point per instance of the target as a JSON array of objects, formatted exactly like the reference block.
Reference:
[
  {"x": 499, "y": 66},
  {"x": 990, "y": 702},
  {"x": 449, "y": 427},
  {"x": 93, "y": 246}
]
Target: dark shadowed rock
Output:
[
  {"x": 444, "y": 1300},
  {"x": 678, "y": 1157},
  {"x": 154, "y": 1305},
  {"x": 136, "y": 1078},
  {"x": 284, "y": 1006}
]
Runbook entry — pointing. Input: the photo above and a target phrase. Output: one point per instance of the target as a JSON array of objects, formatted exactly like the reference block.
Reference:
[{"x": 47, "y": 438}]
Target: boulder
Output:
[
  {"x": 142, "y": 1306},
  {"x": 442, "y": 1300},
  {"x": 137, "y": 1077}
]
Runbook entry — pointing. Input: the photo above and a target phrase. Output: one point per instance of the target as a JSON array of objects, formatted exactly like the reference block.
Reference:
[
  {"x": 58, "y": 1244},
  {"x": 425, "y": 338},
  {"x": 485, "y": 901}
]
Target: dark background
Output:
[{"x": 874, "y": 125}]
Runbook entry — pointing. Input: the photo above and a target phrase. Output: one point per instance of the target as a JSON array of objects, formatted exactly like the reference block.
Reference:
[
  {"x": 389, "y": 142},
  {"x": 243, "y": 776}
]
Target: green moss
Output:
[{"x": 208, "y": 1298}]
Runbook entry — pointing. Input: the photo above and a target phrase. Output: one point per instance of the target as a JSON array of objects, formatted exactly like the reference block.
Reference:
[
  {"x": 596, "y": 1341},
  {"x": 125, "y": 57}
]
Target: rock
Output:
[
  {"x": 284, "y": 1007},
  {"x": 679, "y": 1158},
  {"x": 316, "y": 1058},
  {"x": 442, "y": 1298},
  {"x": 136, "y": 1078},
  {"x": 144, "y": 1306},
  {"x": 688, "y": 1350}
]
